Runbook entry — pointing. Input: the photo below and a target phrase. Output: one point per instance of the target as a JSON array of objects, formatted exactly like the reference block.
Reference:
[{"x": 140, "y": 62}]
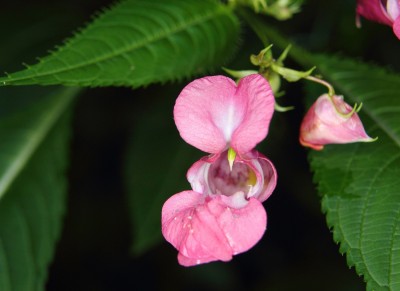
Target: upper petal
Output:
[
  {"x": 211, "y": 113},
  {"x": 255, "y": 96},
  {"x": 204, "y": 113}
]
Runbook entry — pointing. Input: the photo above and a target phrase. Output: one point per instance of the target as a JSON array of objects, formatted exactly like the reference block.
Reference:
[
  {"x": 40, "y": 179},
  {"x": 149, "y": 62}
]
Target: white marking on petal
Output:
[
  {"x": 393, "y": 9},
  {"x": 236, "y": 200},
  {"x": 227, "y": 120}
]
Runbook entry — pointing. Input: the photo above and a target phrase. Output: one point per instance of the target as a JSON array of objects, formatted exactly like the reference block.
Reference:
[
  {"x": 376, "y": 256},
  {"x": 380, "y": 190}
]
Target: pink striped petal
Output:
[{"x": 211, "y": 113}]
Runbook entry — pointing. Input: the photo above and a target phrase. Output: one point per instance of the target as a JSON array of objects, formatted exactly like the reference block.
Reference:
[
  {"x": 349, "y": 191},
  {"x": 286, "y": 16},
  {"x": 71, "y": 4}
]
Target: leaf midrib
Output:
[
  {"x": 35, "y": 139},
  {"x": 156, "y": 37}
]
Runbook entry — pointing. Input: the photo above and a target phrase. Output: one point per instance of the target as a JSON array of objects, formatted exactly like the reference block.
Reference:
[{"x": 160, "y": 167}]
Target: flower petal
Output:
[
  {"x": 243, "y": 227},
  {"x": 172, "y": 213},
  {"x": 255, "y": 96},
  {"x": 188, "y": 262},
  {"x": 265, "y": 178},
  {"x": 211, "y": 113},
  {"x": 396, "y": 27},
  {"x": 374, "y": 11},
  {"x": 393, "y": 9},
  {"x": 190, "y": 227},
  {"x": 270, "y": 178},
  {"x": 197, "y": 176},
  {"x": 205, "y": 230},
  {"x": 204, "y": 113}
]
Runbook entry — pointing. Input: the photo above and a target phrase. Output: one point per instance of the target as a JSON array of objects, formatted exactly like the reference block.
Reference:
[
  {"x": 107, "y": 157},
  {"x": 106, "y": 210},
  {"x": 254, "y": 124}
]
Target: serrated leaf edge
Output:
[{"x": 166, "y": 33}]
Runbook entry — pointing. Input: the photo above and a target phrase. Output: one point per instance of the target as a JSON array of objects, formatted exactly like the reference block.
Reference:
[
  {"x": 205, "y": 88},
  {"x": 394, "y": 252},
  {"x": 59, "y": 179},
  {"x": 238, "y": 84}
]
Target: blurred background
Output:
[{"x": 114, "y": 142}]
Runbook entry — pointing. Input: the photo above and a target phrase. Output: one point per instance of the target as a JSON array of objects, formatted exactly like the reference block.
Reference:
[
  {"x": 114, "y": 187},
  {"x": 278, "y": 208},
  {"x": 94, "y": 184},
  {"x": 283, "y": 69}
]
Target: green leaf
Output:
[
  {"x": 157, "y": 161},
  {"x": 34, "y": 130},
  {"x": 359, "y": 183},
  {"x": 139, "y": 42}
]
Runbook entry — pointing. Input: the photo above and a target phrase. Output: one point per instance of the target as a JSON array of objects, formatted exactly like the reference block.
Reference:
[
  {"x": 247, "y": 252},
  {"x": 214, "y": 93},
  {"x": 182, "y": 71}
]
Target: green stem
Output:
[{"x": 331, "y": 91}]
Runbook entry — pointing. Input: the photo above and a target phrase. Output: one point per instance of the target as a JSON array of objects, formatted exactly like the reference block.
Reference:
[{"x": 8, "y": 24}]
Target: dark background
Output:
[{"x": 296, "y": 253}]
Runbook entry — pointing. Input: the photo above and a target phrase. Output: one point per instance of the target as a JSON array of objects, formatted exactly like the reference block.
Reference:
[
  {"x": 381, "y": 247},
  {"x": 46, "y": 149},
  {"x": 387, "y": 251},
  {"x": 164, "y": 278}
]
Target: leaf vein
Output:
[
  {"x": 363, "y": 216},
  {"x": 195, "y": 21}
]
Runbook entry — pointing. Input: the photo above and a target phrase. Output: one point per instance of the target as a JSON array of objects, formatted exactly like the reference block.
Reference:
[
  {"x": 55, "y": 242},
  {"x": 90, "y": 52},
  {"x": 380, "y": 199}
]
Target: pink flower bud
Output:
[{"x": 331, "y": 121}]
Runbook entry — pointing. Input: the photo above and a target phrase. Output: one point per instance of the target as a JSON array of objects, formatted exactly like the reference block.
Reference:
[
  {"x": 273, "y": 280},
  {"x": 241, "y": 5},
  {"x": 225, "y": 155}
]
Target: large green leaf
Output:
[
  {"x": 138, "y": 42},
  {"x": 359, "y": 183},
  {"x": 34, "y": 130},
  {"x": 157, "y": 160}
]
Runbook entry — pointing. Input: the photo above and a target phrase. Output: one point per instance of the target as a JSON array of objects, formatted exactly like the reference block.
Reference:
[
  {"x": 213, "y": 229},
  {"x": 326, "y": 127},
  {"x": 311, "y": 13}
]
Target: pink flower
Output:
[
  {"x": 331, "y": 121},
  {"x": 223, "y": 214},
  {"x": 383, "y": 11}
]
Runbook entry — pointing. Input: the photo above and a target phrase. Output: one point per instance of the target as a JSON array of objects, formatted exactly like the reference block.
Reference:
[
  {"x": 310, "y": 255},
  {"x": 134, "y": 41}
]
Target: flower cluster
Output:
[
  {"x": 223, "y": 214},
  {"x": 385, "y": 12}
]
